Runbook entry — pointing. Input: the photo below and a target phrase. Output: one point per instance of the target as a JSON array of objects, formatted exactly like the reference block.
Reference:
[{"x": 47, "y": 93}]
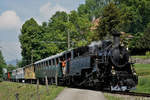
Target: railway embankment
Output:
[
  {"x": 22, "y": 91},
  {"x": 140, "y": 59}
]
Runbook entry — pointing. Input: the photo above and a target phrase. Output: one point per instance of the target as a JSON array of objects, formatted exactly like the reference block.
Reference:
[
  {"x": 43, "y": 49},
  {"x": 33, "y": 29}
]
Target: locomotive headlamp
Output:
[
  {"x": 134, "y": 73},
  {"x": 113, "y": 71}
]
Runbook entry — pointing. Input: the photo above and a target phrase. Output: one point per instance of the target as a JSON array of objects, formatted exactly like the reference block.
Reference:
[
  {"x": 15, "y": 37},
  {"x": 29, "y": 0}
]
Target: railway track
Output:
[
  {"x": 131, "y": 94},
  {"x": 121, "y": 93}
]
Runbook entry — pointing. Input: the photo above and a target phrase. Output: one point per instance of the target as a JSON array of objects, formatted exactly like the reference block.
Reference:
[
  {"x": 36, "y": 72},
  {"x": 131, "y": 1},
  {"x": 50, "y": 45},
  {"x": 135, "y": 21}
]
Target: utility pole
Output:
[
  {"x": 68, "y": 35},
  {"x": 17, "y": 63}
]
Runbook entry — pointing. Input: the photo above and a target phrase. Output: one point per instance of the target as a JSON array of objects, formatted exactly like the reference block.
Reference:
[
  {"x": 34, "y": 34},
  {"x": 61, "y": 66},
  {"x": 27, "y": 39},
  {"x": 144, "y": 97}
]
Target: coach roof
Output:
[{"x": 53, "y": 56}]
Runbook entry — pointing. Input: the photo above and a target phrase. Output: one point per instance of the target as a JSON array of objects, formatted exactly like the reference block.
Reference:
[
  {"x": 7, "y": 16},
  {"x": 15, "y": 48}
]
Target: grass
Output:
[
  {"x": 143, "y": 84},
  {"x": 27, "y": 91},
  {"x": 142, "y": 69},
  {"x": 142, "y": 57},
  {"x": 110, "y": 97}
]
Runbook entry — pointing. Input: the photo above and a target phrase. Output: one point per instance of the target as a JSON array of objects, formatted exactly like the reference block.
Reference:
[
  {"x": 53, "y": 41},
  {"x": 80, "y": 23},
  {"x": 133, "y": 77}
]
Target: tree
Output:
[
  {"x": 61, "y": 23},
  {"x": 109, "y": 20},
  {"x": 10, "y": 67},
  {"x": 135, "y": 15},
  {"x": 146, "y": 38},
  {"x": 140, "y": 42},
  {"x": 93, "y": 8},
  {"x": 2, "y": 64},
  {"x": 31, "y": 33},
  {"x": 80, "y": 29}
]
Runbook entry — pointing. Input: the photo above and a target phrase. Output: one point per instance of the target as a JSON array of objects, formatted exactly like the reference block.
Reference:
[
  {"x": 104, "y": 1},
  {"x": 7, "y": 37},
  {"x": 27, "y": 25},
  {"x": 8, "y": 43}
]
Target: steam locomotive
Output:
[{"x": 104, "y": 66}]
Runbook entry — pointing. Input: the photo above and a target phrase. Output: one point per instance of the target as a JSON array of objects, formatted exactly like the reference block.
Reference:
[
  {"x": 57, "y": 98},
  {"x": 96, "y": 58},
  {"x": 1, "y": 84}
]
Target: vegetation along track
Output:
[{"x": 132, "y": 94}]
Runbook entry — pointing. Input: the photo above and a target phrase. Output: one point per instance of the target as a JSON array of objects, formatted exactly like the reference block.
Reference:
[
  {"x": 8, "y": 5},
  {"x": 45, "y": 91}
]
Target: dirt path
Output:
[{"x": 80, "y": 94}]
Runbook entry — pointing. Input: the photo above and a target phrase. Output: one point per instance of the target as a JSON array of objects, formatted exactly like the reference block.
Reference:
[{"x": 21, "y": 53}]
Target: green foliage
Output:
[
  {"x": 10, "y": 67},
  {"x": 19, "y": 64},
  {"x": 2, "y": 64},
  {"x": 92, "y": 8},
  {"x": 135, "y": 15},
  {"x": 147, "y": 54},
  {"x": 30, "y": 36},
  {"x": 135, "y": 42},
  {"x": 146, "y": 38},
  {"x": 109, "y": 20},
  {"x": 141, "y": 41}
]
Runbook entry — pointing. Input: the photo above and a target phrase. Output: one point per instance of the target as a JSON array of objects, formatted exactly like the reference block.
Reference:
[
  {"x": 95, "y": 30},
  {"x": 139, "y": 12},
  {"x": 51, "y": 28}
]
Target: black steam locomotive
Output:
[{"x": 103, "y": 65}]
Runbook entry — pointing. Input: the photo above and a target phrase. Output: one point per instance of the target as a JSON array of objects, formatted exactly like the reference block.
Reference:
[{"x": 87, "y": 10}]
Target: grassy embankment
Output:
[
  {"x": 143, "y": 71},
  {"x": 141, "y": 57},
  {"x": 27, "y": 91}
]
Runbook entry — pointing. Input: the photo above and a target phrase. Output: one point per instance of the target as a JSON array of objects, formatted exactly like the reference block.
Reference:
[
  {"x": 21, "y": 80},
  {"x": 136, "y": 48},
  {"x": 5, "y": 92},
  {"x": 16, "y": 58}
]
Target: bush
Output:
[
  {"x": 1, "y": 80},
  {"x": 147, "y": 54}
]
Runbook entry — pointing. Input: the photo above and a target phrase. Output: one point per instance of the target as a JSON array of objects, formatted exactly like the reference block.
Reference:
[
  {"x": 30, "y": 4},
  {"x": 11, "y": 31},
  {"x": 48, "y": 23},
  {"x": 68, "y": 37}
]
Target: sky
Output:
[{"x": 13, "y": 14}]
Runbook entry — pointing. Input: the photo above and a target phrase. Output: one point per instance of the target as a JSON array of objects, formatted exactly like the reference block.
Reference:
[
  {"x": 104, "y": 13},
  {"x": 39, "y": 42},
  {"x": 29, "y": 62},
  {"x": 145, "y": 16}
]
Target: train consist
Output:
[{"x": 103, "y": 66}]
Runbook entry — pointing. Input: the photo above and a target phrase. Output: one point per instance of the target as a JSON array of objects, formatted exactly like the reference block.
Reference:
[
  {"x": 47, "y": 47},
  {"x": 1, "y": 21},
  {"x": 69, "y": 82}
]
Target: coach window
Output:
[
  {"x": 53, "y": 61},
  {"x": 68, "y": 55},
  {"x": 49, "y": 62},
  {"x": 75, "y": 53},
  {"x": 45, "y": 65},
  {"x": 57, "y": 60},
  {"x": 38, "y": 66},
  {"x": 41, "y": 65}
]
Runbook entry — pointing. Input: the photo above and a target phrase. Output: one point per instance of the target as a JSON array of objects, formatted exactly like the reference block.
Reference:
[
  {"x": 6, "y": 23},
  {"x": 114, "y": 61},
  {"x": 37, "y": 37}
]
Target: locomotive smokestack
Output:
[{"x": 116, "y": 38}]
